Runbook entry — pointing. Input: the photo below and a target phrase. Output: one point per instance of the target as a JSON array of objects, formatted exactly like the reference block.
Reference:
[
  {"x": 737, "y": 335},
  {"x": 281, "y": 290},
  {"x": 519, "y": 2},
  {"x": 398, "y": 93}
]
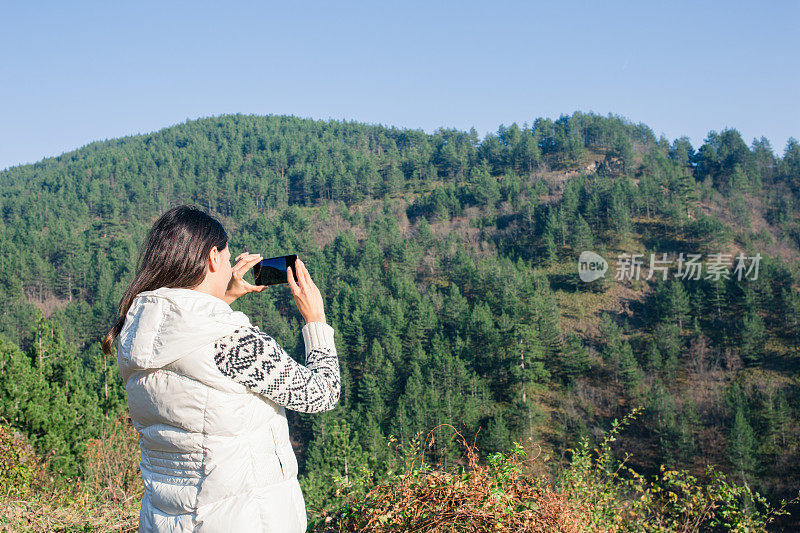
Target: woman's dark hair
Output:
[{"x": 175, "y": 254}]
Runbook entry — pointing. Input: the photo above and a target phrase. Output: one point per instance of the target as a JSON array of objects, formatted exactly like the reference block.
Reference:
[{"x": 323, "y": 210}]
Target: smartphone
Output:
[{"x": 272, "y": 271}]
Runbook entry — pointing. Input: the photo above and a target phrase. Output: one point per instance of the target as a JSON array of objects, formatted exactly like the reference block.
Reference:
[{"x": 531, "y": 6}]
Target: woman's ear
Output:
[{"x": 214, "y": 259}]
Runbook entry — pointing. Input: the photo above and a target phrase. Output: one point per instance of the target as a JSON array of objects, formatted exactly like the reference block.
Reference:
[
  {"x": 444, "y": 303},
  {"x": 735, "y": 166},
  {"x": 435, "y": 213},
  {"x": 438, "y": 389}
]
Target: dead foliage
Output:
[{"x": 496, "y": 496}]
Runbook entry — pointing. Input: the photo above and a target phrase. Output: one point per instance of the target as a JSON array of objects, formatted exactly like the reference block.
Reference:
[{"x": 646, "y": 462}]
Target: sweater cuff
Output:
[{"x": 317, "y": 335}]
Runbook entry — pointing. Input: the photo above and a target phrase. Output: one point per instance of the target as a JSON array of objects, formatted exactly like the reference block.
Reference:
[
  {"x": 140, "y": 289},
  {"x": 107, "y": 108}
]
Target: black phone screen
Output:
[{"x": 272, "y": 271}]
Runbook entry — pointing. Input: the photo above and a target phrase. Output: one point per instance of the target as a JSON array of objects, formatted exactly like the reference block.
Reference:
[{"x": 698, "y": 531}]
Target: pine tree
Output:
[
  {"x": 620, "y": 216},
  {"x": 752, "y": 335},
  {"x": 686, "y": 422},
  {"x": 455, "y": 309},
  {"x": 394, "y": 179},
  {"x": 527, "y": 357},
  {"x": 497, "y": 437},
  {"x": 335, "y": 459},
  {"x": 574, "y": 359},
  {"x": 662, "y": 412},
  {"x": 678, "y": 303},
  {"x": 582, "y": 238},
  {"x": 629, "y": 368},
  {"x": 668, "y": 340},
  {"x": 624, "y": 150},
  {"x": 551, "y": 251},
  {"x": 741, "y": 446},
  {"x": 548, "y": 319},
  {"x": 411, "y": 414},
  {"x": 375, "y": 385},
  {"x": 791, "y": 314},
  {"x": 655, "y": 362}
]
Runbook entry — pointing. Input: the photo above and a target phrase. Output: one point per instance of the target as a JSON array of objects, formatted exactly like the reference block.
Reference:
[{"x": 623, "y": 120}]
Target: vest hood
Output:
[{"x": 166, "y": 324}]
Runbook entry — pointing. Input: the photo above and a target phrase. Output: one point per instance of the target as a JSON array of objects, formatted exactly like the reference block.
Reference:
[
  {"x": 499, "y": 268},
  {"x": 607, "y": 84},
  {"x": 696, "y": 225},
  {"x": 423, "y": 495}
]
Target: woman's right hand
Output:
[{"x": 306, "y": 294}]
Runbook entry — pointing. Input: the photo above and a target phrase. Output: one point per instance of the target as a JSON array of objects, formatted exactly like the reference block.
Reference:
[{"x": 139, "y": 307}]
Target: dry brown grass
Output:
[
  {"x": 106, "y": 501},
  {"x": 500, "y": 495},
  {"x": 112, "y": 463}
]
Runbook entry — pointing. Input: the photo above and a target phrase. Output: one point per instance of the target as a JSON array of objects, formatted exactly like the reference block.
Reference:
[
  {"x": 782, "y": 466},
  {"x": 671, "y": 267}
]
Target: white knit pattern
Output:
[{"x": 251, "y": 357}]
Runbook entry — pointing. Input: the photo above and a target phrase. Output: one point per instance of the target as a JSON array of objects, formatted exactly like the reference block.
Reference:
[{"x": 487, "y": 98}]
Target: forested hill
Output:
[{"x": 449, "y": 265}]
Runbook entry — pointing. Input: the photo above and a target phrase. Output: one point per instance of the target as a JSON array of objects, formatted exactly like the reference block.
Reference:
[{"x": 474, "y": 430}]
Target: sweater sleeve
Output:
[{"x": 251, "y": 357}]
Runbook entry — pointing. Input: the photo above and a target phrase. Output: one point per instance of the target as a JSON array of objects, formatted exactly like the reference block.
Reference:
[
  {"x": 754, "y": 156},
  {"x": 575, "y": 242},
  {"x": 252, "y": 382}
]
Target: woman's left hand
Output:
[{"x": 237, "y": 286}]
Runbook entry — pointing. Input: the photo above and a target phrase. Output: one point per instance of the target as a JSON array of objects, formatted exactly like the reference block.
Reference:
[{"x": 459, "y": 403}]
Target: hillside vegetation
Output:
[{"x": 449, "y": 269}]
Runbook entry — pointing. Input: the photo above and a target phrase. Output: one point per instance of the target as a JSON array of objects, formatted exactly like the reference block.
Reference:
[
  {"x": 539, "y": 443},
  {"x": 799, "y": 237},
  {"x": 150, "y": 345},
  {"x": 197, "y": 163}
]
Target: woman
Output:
[{"x": 207, "y": 389}]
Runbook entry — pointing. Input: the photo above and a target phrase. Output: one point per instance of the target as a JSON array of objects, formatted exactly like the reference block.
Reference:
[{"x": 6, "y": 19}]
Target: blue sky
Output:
[{"x": 73, "y": 73}]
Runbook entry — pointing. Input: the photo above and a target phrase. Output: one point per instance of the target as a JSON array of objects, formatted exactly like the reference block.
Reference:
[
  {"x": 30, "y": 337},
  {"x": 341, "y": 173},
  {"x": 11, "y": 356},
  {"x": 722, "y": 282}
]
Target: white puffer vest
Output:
[{"x": 215, "y": 456}]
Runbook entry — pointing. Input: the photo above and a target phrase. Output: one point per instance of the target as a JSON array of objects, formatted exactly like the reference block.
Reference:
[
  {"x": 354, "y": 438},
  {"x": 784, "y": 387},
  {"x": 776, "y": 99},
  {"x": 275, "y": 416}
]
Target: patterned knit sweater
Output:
[{"x": 251, "y": 357}]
